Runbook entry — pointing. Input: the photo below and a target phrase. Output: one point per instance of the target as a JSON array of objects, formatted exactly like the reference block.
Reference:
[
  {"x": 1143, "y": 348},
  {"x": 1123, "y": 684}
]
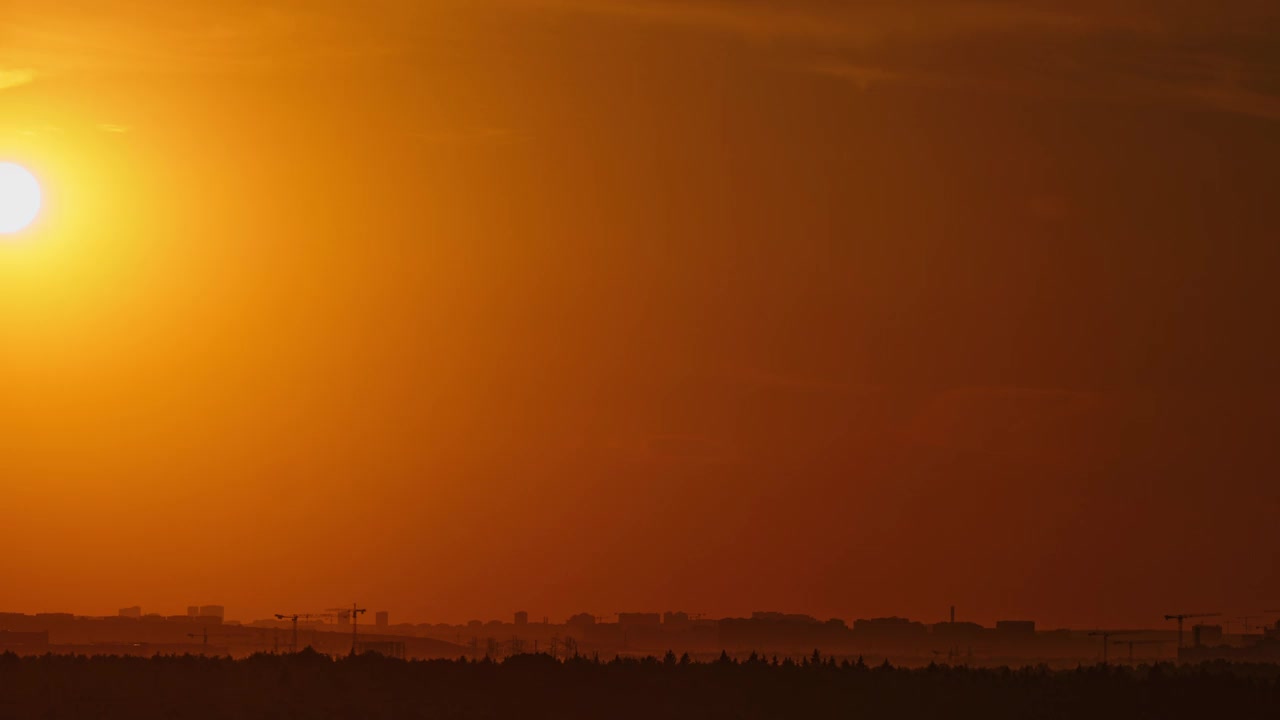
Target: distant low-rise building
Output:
[
  {"x": 778, "y": 617},
  {"x": 889, "y": 626},
  {"x": 581, "y": 619},
  {"x": 890, "y": 633},
  {"x": 130, "y": 612},
  {"x": 55, "y": 617},
  {"x": 1207, "y": 635},
  {"x": 639, "y": 619},
  {"x": 957, "y": 631},
  {"x": 787, "y": 632}
]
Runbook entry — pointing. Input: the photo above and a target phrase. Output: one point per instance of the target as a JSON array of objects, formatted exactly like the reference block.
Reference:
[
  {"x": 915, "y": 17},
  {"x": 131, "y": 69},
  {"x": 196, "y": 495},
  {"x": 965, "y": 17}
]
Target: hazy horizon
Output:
[{"x": 1231, "y": 623}]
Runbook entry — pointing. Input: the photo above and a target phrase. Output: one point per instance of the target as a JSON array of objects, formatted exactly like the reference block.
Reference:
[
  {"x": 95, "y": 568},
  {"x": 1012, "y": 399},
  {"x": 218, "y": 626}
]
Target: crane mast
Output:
[
  {"x": 355, "y": 611},
  {"x": 1185, "y": 616},
  {"x": 1106, "y": 639},
  {"x": 294, "y": 617},
  {"x": 1131, "y": 643}
]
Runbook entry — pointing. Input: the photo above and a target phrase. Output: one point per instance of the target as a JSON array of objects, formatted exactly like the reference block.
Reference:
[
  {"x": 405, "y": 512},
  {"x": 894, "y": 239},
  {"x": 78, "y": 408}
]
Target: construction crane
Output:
[
  {"x": 204, "y": 635},
  {"x": 1184, "y": 616},
  {"x": 951, "y": 655},
  {"x": 1131, "y": 643},
  {"x": 295, "y": 617},
  {"x": 354, "y": 612},
  {"x": 1106, "y": 639}
]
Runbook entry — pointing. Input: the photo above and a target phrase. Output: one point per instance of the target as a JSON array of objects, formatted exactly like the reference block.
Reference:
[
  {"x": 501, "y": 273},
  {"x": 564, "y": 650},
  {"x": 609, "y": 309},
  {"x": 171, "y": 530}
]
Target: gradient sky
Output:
[{"x": 458, "y": 308}]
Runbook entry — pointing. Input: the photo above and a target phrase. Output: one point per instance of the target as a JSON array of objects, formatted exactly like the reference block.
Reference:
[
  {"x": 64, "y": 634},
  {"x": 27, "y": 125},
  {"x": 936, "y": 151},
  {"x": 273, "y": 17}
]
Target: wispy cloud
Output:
[
  {"x": 38, "y": 130},
  {"x": 1243, "y": 86},
  {"x": 862, "y": 76},
  {"x": 181, "y": 38},
  {"x": 1220, "y": 58},
  {"x": 16, "y": 78},
  {"x": 844, "y": 23},
  {"x": 1085, "y": 51},
  {"x": 464, "y": 135},
  {"x": 1045, "y": 425},
  {"x": 1237, "y": 100},
  {"x": 754, "y": 21}
]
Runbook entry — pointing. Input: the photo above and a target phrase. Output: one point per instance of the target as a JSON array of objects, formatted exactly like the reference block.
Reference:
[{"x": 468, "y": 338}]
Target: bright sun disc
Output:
[{"x": 19, "y": 198}]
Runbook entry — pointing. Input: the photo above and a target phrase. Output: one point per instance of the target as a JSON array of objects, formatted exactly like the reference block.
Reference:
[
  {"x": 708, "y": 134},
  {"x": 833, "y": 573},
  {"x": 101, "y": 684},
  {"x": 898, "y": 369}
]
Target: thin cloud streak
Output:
[
  {"x": 10, "y": 79},
  {"x": 466, "y": 135},
  {"x": 1094, "y": 52},
  {"x": 260, "y": 40},
  {"x": 862, "y": 76},
  {"x": 856, "y": 25}
]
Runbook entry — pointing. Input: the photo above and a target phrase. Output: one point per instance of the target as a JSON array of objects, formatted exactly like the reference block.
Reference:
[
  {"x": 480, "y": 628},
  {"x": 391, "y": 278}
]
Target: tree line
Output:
[{"x": 312, "y": 685}]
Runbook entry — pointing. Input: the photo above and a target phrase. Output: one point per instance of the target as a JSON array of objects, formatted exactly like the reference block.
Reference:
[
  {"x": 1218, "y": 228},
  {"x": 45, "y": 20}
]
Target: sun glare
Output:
[{"x": 19, "y": 198}]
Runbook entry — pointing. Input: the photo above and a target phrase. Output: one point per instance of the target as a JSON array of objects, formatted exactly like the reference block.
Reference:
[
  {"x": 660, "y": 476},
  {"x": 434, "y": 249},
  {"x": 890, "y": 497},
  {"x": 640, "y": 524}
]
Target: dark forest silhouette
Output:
[{"x": 309, "y": 684}]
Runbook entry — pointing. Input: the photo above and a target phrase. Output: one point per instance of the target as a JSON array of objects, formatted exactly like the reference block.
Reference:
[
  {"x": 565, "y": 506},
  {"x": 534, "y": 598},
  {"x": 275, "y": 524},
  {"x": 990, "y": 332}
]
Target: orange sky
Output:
[{"x": 458, "y": 308}]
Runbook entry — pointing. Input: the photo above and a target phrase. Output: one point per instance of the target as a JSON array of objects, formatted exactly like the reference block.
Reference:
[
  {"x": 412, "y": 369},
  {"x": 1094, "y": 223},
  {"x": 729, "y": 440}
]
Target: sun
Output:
[{"x": 20, "y": 198}]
